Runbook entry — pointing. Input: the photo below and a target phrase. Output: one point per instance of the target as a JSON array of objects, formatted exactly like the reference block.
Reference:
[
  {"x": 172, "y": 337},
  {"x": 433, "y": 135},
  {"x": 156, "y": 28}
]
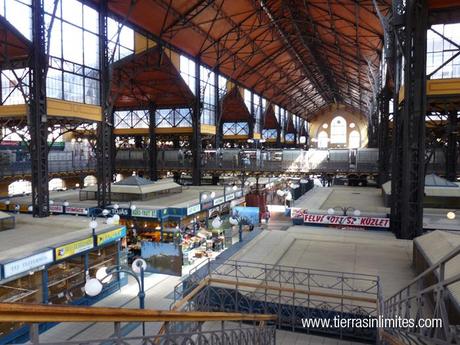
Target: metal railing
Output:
[
  {"x": 291, "y": 293},
  {"x": 255, "y": 331},
  {"x": 430, "y": 296}
]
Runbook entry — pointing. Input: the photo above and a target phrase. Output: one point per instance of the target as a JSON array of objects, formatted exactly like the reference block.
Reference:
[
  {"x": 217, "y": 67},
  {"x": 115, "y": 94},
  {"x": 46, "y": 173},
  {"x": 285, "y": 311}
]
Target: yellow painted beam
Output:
[
  {"x": 236, "y": 137},
  {"x": 438, "y": 87},
  {"x": 131, "y": 131},
  {"x": 205, "y": 129},
  {"x": 15, "y": 110},
  {"x": 57, "y": 107},
  {"x": 208, "y": 129}
]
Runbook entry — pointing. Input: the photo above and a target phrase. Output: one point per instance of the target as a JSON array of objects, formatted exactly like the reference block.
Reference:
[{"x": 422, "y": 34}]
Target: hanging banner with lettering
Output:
[
  {"x": 363, "y": 222},
  {"x": 219, "y": 201},
  {"x": 27, "y": 264},
  {"x": 111, "y": 236},
  {"x": 76, "y": 210},
  {"x": 56, "y": 208},
  {"x": 74, "y": 248},
  {"x": 193, "y": 209},
  {"x": 144, "y": 213}
]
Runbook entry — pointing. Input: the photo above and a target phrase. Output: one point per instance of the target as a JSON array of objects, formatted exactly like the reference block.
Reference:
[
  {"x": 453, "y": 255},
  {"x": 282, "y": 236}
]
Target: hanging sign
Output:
[
  {"x": 76, "y": 210},
  {"x": 144, "y": 213},
  {"x": 57, "y": 208},
  {"x": 111, "y": 236},
  {"x": 363, "y": 222},
  {"x": 218, "y": 201},
  {"x": 229, "y": 197},
  {"x": 27, "y": 264},
  {"x": 193, "y": 209},
  {"x": 74, "y": 248}
]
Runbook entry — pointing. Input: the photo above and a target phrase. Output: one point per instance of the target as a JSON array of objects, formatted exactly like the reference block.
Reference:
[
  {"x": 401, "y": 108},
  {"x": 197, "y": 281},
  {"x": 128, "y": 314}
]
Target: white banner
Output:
[{"x": 363, "y": 221}]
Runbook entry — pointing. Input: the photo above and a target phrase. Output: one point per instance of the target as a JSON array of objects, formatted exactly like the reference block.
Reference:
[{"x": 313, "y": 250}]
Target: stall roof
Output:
[
  {"x": 233, "y": 107},
  {"x": 34, "y": 234},
  {"x": 12, "y": 44},
  {"x": 270, "y": 121},
  {"x": 139, "y": 185},
  {"x": 290, "y": 126},
  {"x": 149, "y": 78}
]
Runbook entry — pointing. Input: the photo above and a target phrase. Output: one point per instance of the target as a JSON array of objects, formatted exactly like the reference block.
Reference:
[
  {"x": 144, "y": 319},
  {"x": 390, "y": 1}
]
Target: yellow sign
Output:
[
  {"x": 111, "y": 236},
  {"x": 74, "y": 248}
]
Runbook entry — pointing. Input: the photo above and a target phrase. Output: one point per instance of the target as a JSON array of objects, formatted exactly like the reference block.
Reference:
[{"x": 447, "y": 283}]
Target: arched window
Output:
[
  {"x": 338, "y": 130},
  {"x": 354, "y": 140},
  {"x": 323, "y": 140}
]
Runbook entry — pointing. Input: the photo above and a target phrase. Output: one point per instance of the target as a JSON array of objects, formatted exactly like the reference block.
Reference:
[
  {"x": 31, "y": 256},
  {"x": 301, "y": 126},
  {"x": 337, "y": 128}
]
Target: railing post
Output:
[
  {"x": 34, "y": 333},
  {"x": 117, "y": 332}
]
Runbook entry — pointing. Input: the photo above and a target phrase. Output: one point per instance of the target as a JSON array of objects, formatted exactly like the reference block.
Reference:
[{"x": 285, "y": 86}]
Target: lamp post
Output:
[
  {"x": 101, "y": 212},
  {"x": 344, "y": 209},
  {"x": 94, "y": 286}
]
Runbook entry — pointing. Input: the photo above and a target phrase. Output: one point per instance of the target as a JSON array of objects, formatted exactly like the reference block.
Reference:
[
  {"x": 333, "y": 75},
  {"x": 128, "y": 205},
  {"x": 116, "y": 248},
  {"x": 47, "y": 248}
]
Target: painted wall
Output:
[{"x": 317, "y": 122}]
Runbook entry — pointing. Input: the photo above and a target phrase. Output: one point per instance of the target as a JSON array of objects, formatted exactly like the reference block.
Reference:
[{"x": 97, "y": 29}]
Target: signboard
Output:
[
  {"x": 364, "y": 222},
  {"x": 76, "y": 210},
  {"x": 57, "y": 208},
  {"x": 206, "y": 205},
  {"x": 111, "y": 236},
  {"x": 144, "y": 213},
  {"x": 27, "y": 264},
  {"x": 193, "y": 209},
  {"x": 249, "y": 214},
  {"x": 219, "y": 200},
  {"x": 164, "y": 258},
  {"x": 74, "y": 248},
  {"x": 229, "y": 197},
  {"x": 122, "y": 212},
  {"x": 238, "y": 194}
]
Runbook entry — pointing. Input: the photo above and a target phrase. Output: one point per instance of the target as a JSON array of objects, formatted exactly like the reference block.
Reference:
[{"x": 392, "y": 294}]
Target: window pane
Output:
[
  {"x": 54, "y": 83},
  {"x": 91, "y": 51},
  {"x": 73, "y": 87},
  {"x": 72, "y": 11},
  {"x": 91, "y": 19},
  {"x": 73, "y": 43}
]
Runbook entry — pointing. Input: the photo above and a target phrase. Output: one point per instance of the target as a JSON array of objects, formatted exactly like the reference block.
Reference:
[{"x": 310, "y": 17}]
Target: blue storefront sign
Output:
[{"x": 110, "y": 236}]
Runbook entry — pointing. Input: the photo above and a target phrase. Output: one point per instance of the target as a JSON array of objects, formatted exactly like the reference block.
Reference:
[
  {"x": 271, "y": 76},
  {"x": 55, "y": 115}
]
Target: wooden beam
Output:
[{"x": 38, "y": 313}]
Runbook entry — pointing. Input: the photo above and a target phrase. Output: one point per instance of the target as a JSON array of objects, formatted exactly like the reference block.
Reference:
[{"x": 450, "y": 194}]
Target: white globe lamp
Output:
[{"x": 93, "y": 287}]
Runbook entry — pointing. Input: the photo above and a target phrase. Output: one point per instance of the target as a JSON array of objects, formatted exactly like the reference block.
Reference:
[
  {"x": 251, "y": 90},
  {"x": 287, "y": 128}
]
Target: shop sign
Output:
[
  {"x": 111, "y": 236},
  {"x": 213, "y": 211},
  {"x": 363, "y": 222},
  {"x": 27, "y": 264},
  {"x": 144, "y": 213},
  {"x": 229, "y": 197},
  {"x": 76, "y": 210},
  {"x": 206, "y": 205},
  {"x": 193, "y": 209},
  {"x": 238, "y": 194},
  {"x": 219, "y": 200},
  {"x": 57, "y": 208},
  {"x": 74, "y": 248},
  {"x": 122, "y": 212}
]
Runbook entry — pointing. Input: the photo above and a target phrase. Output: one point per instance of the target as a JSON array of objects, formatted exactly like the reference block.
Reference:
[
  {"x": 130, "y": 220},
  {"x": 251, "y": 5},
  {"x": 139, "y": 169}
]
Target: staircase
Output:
[{"x": 432, "y": 295}]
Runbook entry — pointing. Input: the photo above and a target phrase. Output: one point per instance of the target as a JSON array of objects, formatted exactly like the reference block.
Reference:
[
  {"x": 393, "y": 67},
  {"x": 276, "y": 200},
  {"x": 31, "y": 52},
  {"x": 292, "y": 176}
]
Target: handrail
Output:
[
  {"x": 432, "y": 268},
  {"x": 38, "y": 313},
  {"x": 294, "y": 290}
]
